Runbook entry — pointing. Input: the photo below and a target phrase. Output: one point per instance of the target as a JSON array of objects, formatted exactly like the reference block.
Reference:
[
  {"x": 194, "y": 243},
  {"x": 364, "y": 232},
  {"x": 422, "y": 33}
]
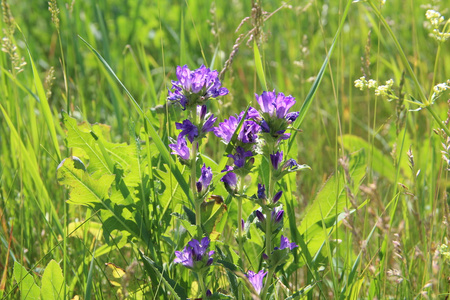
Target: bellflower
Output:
[
  {"x": 249, "y": 129},
  {"x": 275, "y": 105},
  {"x": 229, "y": 179},
  {"x": 277, "y": 197},
  {"x": 208, "y": 125},
  {"x": 187, "y": 128},
  {"x": 195, "y": 87},
  {"x": 275, "y": 113},
  {"x": 180, "y": 148},
  {"x": 205, "y": 179},
  {"x": 239, "y": 157},
  {"x": 276, "y": 218},
  {"x": 284, "y": 243},
  {"x": 276, "y": 159},
  {"x": 261, "y": 191},
  {"x": 195, "y": 255},
  {"x": 256, "y": 279}
]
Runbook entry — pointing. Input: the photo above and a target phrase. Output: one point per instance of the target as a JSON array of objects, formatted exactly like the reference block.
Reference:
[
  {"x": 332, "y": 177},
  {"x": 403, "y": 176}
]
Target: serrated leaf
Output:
[
  {"x": 79, "y": 136},
  {"x": 52, "y": 286},
  {"x": 84, "y": 189},
  {"x": 28, "y": 288}
]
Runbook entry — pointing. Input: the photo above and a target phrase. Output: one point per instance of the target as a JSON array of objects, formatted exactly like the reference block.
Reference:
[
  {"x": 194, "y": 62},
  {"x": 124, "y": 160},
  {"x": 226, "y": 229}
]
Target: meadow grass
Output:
[{"x": 392, "y": 238}]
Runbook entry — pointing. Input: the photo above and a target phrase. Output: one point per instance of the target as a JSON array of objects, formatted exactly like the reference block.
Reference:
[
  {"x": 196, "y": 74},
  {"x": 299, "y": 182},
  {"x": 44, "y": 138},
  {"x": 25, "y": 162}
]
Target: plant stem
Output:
[
  {"x": 267, "y": 284},
  {"x": 239, "y": 200},
  {"x": 202, "y": 284}
]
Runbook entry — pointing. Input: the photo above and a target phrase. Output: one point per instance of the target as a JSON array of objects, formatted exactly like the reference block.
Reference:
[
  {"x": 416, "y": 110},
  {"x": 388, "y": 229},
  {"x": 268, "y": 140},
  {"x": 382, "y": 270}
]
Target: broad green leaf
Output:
[
  {"x": 212, "y": 213},
  {"x": 82, "y": 137},
  {"x": 84, "y": 189},
  {"x": 382, "y": 163},
  {"x": 52, "y": 286},
  {"x": 28, "y": 288},
  {"x": 330, "y": 202}
]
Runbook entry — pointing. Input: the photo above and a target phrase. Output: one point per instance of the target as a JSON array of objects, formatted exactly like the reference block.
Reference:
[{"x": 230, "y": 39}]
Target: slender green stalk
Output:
[
  {"x": 264, "y": 291},
  {"x": 201, "y": 281}
]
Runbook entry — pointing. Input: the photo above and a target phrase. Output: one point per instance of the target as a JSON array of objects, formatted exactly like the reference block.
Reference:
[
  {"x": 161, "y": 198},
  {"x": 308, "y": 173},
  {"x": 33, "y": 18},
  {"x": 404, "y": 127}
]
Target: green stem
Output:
[
  {"x": 264, "y": 291},
  {"x": 438, "y": 120},
  {"x": 202, "y": 284},
  {"x": 436, "y": 61},
  {"x": 239, "y": 199},
  {"x": 193, "y": 182}
]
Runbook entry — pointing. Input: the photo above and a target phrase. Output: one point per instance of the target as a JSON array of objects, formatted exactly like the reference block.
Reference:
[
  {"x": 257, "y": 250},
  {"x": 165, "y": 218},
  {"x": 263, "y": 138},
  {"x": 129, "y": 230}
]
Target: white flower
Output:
[{"x": 372, "y": 84}]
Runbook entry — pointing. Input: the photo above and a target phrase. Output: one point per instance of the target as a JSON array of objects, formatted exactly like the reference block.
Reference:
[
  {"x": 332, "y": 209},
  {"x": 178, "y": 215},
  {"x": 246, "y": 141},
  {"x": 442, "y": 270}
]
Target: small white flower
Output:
[{"x": 372, "y": 84}]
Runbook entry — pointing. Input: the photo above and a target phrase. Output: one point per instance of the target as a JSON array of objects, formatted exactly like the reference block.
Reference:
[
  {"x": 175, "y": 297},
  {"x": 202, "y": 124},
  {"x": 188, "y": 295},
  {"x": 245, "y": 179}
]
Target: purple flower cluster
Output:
[
  {"x": 195, "y": 255},
  {"x": 275, "y": 113},
  {"x": 195, "y": 87}
]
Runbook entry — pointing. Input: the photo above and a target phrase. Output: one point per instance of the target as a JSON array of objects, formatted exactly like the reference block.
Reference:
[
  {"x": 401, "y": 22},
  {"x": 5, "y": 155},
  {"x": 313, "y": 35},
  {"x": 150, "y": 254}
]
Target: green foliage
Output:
[
  {"x": 52, "y": 282},
  {"x": 52, "y": 286},
  {"x": 27, "y": 286}
]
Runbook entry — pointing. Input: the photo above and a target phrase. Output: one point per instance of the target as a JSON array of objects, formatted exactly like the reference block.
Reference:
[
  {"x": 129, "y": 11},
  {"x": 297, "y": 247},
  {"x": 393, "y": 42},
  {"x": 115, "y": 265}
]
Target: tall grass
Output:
[{"x": 391, "y": 246}]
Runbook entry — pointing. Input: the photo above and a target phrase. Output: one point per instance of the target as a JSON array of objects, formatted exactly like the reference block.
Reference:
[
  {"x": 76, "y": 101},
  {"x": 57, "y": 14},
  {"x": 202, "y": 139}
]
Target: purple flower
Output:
[
  {"x": 274, "y": 104},
  {"x": 229, "y": 179},
  {"x": 277, "y": 197},
  {"x": 239, "y": 157},
  {"x": 180, "y": 148},
  {"x": 260, "y": 216},
  {"x": 284, "y": 243},
  {"x": 195, "y": 86},
  {"x": 226, "y": 129},
  {"x": 205, "y": 179},
  {"x": 187, "y": 128},
  {"x": 256, "y": 279},
  {"x": 276, "y": 217},
  {"x": 252, "y": 113},
  {"x": 195, "y": 255},
  {"x": 208, "y": 125},
  {"x": 291, "y": 117},
  {"x": 201, "y": 111},
  {"x": 261, "y": 191},
  {"x": 249, "y": 129},
  {"x": 290, "y": 164},
  {"x": 249, "y": 132},
  {"x": 276, "y": 159}
]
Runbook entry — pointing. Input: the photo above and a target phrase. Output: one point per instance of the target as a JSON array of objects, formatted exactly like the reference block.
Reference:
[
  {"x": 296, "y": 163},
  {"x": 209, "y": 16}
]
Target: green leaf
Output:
[
  {"x": 330, "y": 202},
  {"x": 28, "y": 288},
  {"x": 52, "y": 286},
  {"x": 84, "y": 189},
  {"x": 382, "y": 163},
  {"x": 154, "y": 270},
  {"x": 80, "y": 136}
]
